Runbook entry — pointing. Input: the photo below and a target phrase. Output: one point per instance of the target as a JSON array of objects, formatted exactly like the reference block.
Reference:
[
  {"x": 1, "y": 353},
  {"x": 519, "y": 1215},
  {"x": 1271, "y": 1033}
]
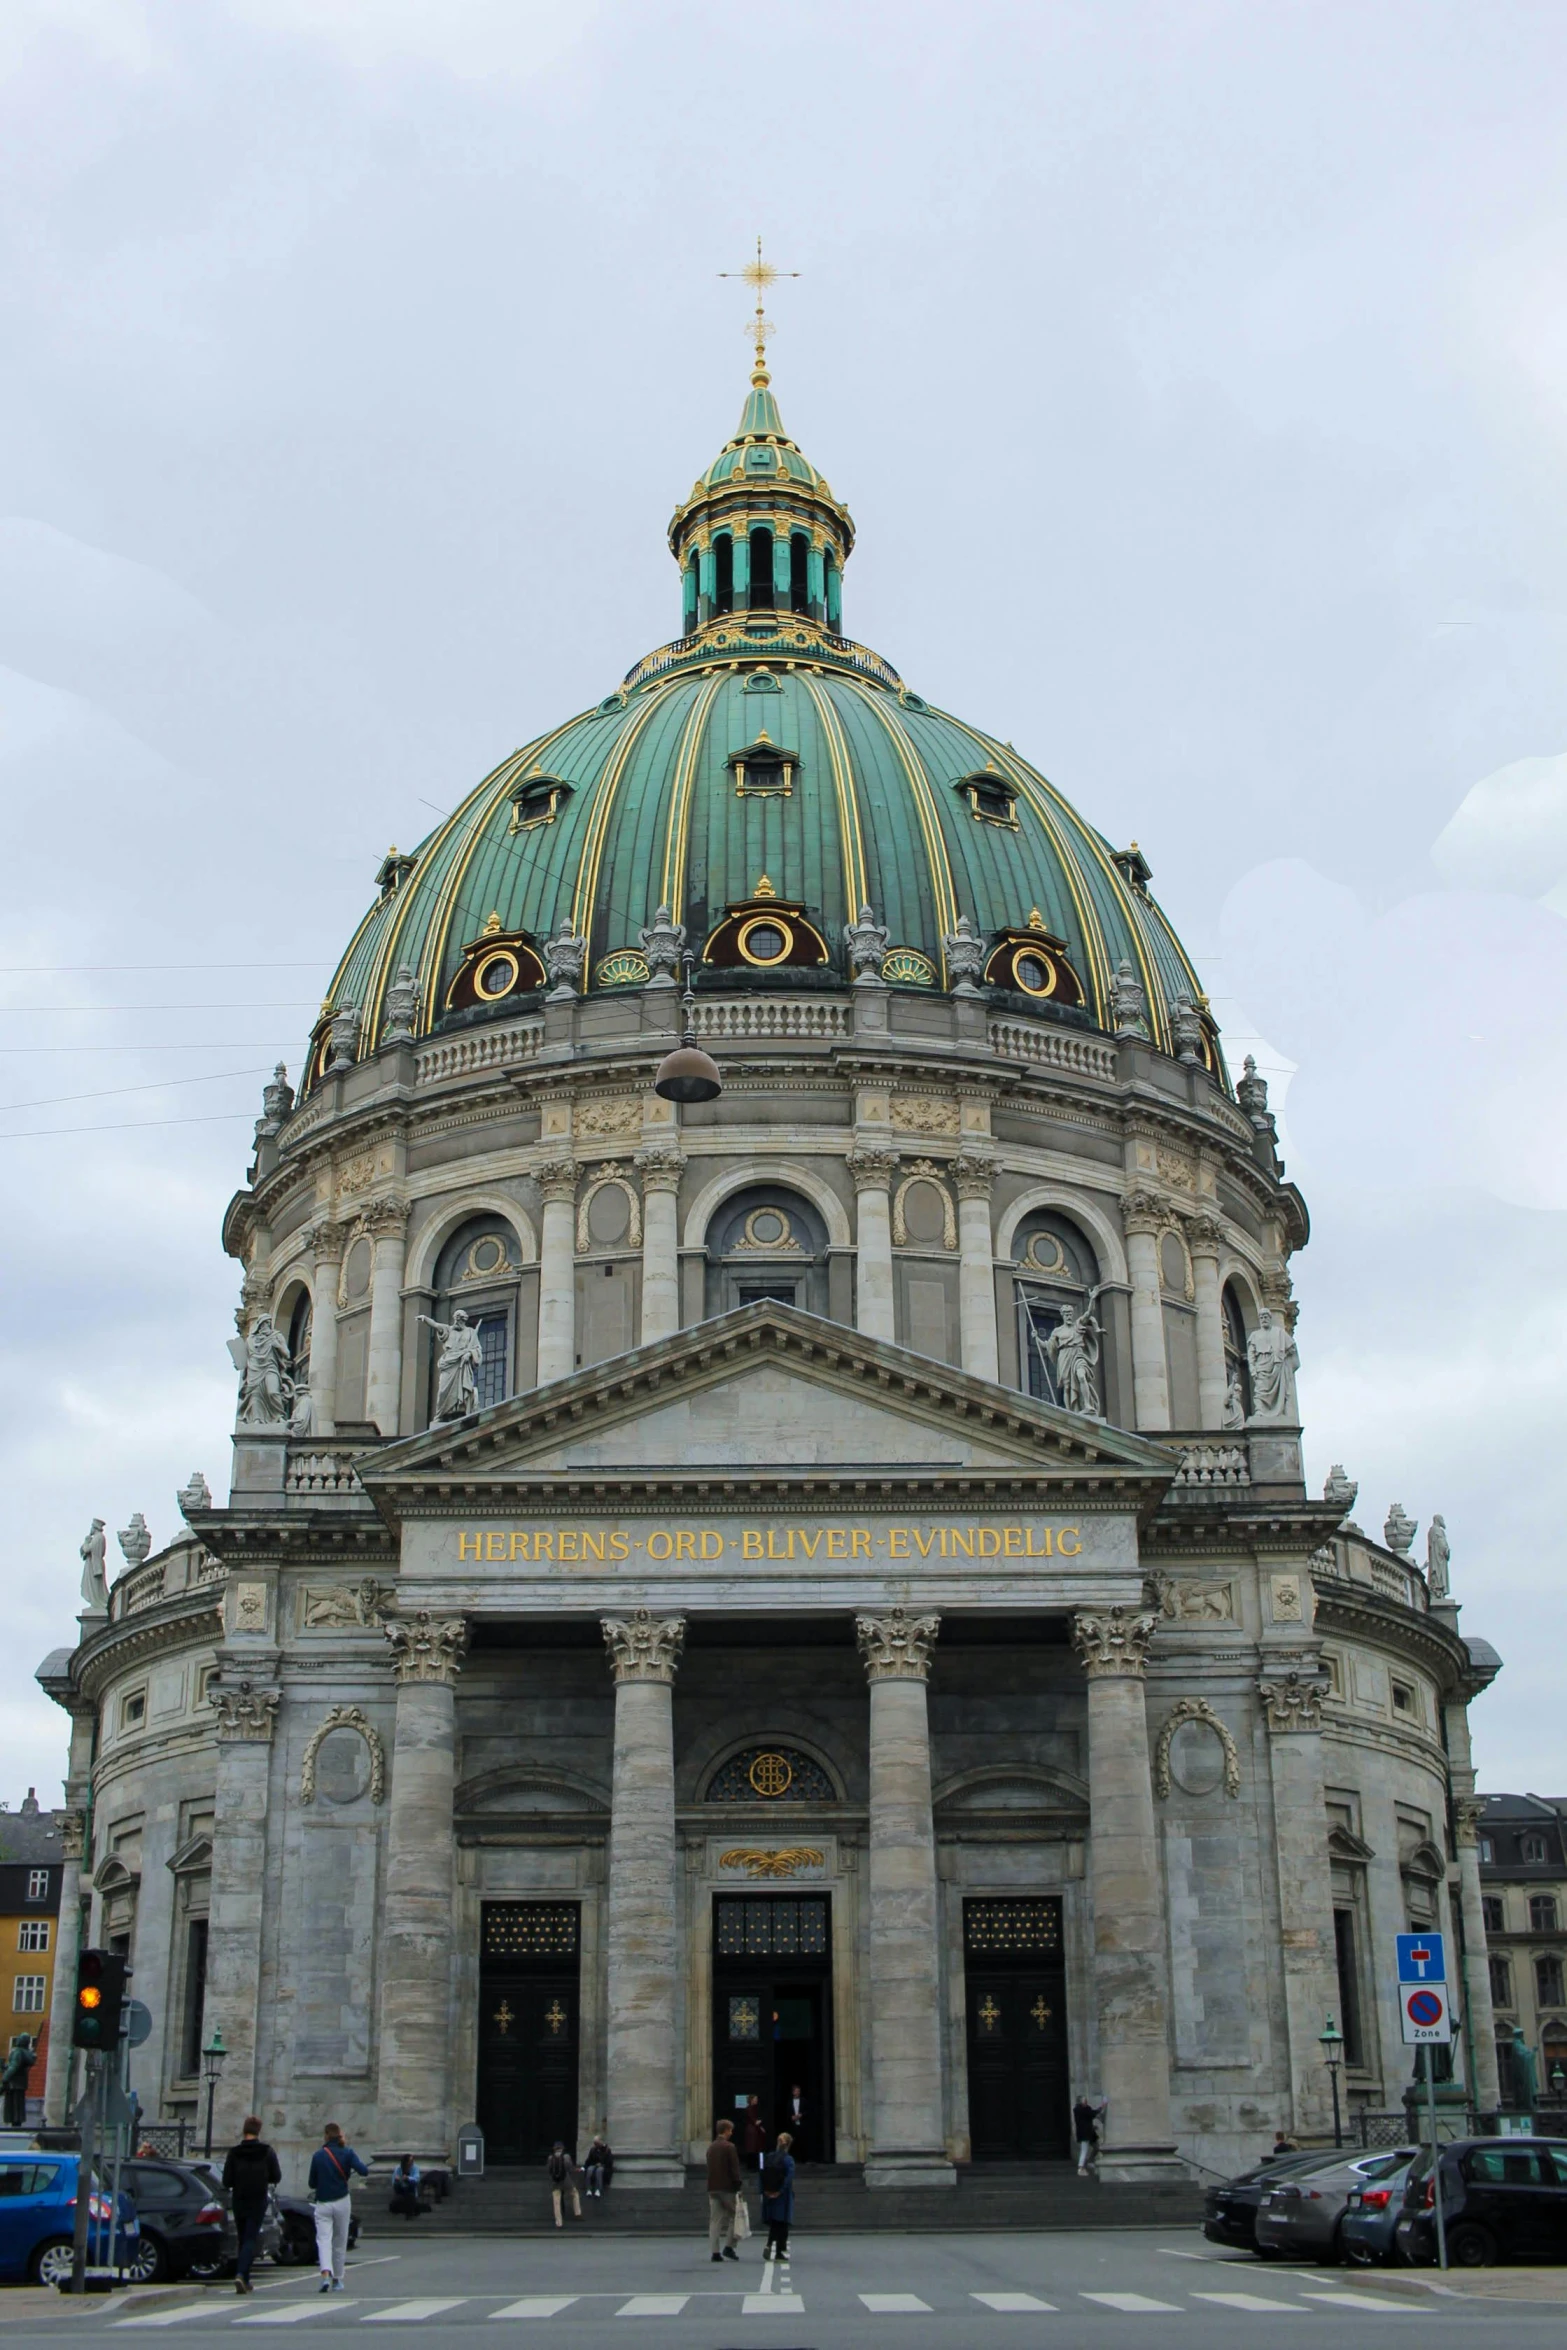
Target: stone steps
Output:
[{"x": 828, "y": 2200}]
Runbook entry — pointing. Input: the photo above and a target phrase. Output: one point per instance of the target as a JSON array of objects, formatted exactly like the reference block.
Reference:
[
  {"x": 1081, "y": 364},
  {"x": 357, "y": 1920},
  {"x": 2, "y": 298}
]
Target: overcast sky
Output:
[{"x": 1197, "y": 376}]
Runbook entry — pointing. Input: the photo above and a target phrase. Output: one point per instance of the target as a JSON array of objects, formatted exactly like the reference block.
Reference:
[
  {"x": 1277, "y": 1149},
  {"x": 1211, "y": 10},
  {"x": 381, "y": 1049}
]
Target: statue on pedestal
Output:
[
  {"x": 266, "y": 1392},
  {"x": 456, "y": 1366},
  {"x": 13, "y": 2081},
  {"x": 1438, "y": 1554},
  {"x": 1072, "y": 1351},
  {"x": 95, "y": 1583},
  {"x": 1272, "y": 1359}
]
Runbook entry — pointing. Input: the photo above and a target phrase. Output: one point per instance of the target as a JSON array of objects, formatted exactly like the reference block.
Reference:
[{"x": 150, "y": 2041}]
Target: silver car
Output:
[{"x": 1301, "y": 2215}]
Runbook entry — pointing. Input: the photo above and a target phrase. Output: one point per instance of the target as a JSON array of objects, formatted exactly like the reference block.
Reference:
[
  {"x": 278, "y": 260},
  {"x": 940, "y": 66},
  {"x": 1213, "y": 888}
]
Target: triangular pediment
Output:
[{"x": 764, "y": 1394}]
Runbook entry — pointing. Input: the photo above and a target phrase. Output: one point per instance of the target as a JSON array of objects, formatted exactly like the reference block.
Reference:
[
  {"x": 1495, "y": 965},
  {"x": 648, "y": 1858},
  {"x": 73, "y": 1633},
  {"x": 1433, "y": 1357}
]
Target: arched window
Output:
[
  {"x": 477, "y": 1271},
  {"x": 761, "y": 569},
  {"x": 799, "y": 572},
  {"x": 691, "y": 590},
  {"x": 834, "y": 596},
  {"x": 1060, "y": 1332},
  {"x": 1237, "y": 1375},
  {"x": 766, "y": 1242},
  {"x": 724, "y": 573},
  {"x": 299, "y": 1322}
]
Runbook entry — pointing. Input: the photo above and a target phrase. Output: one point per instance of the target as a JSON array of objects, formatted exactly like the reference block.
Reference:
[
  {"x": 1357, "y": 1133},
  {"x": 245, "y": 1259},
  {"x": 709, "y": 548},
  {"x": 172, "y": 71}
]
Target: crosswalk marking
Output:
[
  {"x": 537, "y": 2305},
  {"x": 1248, "y": 2301},
  {"x": 409, "y": 2313},
  {"x": 895, "y": 2304},
  {"x": 772, "y": 2305},
  {"x": 166, "y": 2317},
  {"x": 654, "y": 2305},
  {"x": 1363, "y": 2301},
  {"x": 293, "y": 2312},
  {"x": 1011, "y": 2304},
  {"x": 1133, "y": 2302}
]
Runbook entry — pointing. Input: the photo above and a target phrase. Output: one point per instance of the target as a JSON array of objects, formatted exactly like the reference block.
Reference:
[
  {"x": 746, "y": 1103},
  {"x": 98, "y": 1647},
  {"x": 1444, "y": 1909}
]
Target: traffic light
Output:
[{"x": 100, "y": 1995}]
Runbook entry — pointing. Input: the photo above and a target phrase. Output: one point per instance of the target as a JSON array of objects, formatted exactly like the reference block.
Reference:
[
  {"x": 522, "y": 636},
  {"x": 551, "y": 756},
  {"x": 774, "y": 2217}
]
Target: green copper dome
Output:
[{"x": 762, "y": 756}]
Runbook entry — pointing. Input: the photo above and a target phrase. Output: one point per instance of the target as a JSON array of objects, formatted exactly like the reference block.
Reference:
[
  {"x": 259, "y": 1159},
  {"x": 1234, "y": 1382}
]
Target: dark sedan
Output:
[
  {"x": 297, "y": 2244},
  {"x": 185, "y": 2230},
  {"x": 1231, "y": 2210},
  {"x": 1502, "y": 2199}
]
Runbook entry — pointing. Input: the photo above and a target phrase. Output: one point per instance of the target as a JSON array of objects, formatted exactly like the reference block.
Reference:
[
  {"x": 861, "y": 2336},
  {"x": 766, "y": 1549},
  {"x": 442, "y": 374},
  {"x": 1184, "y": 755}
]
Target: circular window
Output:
[
  {"x": 497, "y": 975},
  {"x": 1046, "y": 1255},
  {"x": 768, "y": 1228},
  {"x": 1034, "y": 975},
  {"x": 764, "y": 940},
  {"x": 486, "y": 1257},
  {"x": 771, "y": 1774}
]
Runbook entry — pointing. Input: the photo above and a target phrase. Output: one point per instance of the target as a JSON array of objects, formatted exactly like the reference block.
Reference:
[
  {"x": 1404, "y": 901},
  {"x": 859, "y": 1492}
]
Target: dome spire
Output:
[{"x": 760, "y": 274}]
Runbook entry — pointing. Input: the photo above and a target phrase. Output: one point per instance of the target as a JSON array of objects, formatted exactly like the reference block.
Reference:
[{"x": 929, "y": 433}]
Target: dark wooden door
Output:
[
  {"x": 528, "y": 2029},
  {"x": 1015, "y": 1988},
  {"x": 772, "y": 2014}
]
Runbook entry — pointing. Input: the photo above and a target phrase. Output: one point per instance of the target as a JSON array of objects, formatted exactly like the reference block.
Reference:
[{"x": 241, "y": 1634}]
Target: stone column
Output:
[
  {"x": 1292, "y": 1695},
  {"x": 976, "y": 1267},
  {"x": 421, "y": 1888},
  {"x": 557, "y": 1180},
  {"x": 1202, "y": 1233},
  {"x": 1485, "y": 2088},
  {"x": 661, "y": 1170},
  {"x": 873, "y": 1308},
  {"x": 1144, "y": 1220},
  {"x": 245, "y": 1714},
  {"x": 1131, "y": 1986},
  {"x": 642, "y": 2090},
  {"x": 388, "y": 1222},
  {"x": 327, "y": 1242},
  {"x": 907, "y": 2131},
  {"x": 67, "y": 1939}
]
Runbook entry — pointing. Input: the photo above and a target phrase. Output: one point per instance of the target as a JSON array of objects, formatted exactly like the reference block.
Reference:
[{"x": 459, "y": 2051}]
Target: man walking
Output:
[
  {"x": 1085, "y": 2129},
  {"x": 563, "y": 2182},
  {"x": 332, "y": 2167},
  {"x": 249, "y": 2174},
  {"x": 723, "y": 2192},
  {"x": 778, "y": 2199}
]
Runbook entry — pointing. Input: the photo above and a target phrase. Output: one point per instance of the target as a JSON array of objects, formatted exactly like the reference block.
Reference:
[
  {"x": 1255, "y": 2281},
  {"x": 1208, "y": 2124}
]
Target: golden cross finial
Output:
[{"x": 760, "y": 274}]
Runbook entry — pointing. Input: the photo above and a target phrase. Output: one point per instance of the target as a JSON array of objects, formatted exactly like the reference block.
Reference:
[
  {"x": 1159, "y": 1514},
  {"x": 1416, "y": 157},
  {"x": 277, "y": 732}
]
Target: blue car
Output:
[{"x": 38, "y": 2220}]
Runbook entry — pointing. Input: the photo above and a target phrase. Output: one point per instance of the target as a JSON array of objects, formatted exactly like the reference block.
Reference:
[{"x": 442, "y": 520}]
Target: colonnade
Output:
[
  {"x": 904, "y": 2093},
  {"x": 872, "y": 1168}
]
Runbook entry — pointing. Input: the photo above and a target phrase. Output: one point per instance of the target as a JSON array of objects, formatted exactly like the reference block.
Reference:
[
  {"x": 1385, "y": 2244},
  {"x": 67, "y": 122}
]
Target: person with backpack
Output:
[
  {"x": 332, "y": 2167},
  {"x": 250, "y": 2174},
  {"x": 562, "y": 2170},
  {"x": 778, "y": 2198}
]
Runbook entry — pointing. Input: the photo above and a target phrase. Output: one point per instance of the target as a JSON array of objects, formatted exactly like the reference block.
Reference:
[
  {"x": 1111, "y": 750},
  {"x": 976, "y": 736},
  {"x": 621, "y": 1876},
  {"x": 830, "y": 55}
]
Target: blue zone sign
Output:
[{"x": 1421, "y": 1958}]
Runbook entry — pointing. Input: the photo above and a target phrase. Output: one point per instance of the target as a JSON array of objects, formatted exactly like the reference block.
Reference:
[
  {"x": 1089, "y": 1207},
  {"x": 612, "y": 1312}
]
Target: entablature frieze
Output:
[
  {"x": 187, "y": 1621},
  {"x": 1381, "y": 1623}
]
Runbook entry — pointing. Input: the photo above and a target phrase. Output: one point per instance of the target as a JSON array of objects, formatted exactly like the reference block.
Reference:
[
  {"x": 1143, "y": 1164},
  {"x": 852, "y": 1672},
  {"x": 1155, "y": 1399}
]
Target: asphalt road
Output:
[{"x": 1132, "y": 2290}]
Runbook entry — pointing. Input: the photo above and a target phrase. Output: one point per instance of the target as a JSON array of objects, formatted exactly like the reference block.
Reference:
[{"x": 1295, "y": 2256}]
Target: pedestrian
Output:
[
  {"x": 754, "y": 2131},
  {"x": 1283, "y": 2143},
  {"x": 724, "y": 2178},
  {"x": 599, "y": 2166},
  {"x": 250, "y": 2173},
  {"x": 332, "y": 2167},
  {"x": 778, "y": 2199},
  {"x": 794, "y": 2117},
  {"x": 1086, "y": 2117},
  {"x": 561, "y": 2167},
  {"x": 406, "y": 2183}
]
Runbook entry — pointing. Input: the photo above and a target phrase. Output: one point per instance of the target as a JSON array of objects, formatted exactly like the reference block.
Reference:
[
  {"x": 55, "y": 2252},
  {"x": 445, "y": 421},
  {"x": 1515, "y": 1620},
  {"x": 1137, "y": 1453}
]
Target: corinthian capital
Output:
[
  {"x": 1293, "y": 1699},
  {"x": 897, "y": 1647},
  {"x": 974, "y": 1176},
  {"x": 660, "y": 1166},
  {"x": 557, "y": 1179},
  {"x": 385, "y": 1217},
  {"x": 642, "y": 1646},
  {"x": 244, "y": 1711},
  {"x": 872, "y": 1169},
  {"x": 426, "y": 1647},
  {"x": 1468, "y": 1811},
  {"x": 1203, "y": 1235},
  {"x": 326, "y": 1239},
  {"x": 1143, "y": 1211},
  {"x": 73, "y": 1835},
  {"x": 1113, "y": 1642}
]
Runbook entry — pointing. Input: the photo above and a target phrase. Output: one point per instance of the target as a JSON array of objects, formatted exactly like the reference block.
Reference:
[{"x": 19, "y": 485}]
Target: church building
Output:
[{"x": 766, "y": 1548}]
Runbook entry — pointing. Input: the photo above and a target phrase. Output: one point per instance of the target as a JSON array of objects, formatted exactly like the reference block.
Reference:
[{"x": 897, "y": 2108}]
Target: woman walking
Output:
[
  {"x": 778, "y": 2198},
  {"x": 332, "y": 2167}
]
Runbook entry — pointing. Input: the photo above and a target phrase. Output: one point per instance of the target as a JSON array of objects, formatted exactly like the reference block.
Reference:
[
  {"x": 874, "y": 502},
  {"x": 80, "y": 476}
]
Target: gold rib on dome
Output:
[
  {"x": 856, "y": 884},
  {"x": 677, "y": 828}
]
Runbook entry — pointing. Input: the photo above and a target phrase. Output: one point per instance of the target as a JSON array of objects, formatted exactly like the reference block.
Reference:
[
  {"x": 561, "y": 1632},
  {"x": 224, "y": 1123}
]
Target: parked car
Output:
[
  {"x": 1301, "y": 2216},
  {"x": 1502, "y": 2199},
  {"x": 38, "y": 2220},
  {"x": 185, "y": 2229},
  {"x": 1371, "y": 2216},
  {"x": 1230, "y": 2213},
  {"x": 297, "y": 2218}
]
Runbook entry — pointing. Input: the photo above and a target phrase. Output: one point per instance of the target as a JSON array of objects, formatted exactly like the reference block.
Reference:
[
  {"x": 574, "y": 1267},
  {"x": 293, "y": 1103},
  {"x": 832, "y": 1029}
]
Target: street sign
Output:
[
  {"x": 1423, "y": 2007},
  {"x": 136, "y": 2021},
  {"x": 1421, "y": 1958}
]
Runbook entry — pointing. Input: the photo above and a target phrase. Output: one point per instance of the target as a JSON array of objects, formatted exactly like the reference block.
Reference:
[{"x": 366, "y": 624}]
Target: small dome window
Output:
[
  {"x": 763, "y": 769},
  {"x": 761, "y": 589},
  {"x": 1033, "y": 962},
  {"x": 496, "y": 966},
  {"x": 538, "y": 799},
  {"x": 765, "y": 933},
  {"x": 990, "y": 798}
]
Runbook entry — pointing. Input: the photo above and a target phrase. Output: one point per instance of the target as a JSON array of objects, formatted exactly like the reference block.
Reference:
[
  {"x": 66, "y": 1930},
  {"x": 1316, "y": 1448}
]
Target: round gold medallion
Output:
[{"x": 771, "y": 1775}]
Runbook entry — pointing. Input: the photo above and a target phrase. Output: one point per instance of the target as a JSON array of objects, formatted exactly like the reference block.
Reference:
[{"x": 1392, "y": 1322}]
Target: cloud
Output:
[{"x": 1510, "y": 831}]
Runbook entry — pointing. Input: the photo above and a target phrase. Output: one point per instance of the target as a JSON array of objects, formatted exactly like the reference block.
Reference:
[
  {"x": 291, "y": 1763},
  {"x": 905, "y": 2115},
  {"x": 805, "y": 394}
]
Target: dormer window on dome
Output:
[
  {"x": 1034, "y": 963},
  {"x": 762, "y": 770},
  {"x": 538, "y": 799},
  {"x": 393, "y": 871},
  {"x": 495, "y": 965},
  {"x": 765, "y": 933},
  {"x": 989, "y": 797}
]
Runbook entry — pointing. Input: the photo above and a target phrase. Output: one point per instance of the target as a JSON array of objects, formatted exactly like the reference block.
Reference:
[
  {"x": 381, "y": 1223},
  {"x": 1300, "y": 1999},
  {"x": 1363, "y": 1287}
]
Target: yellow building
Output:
[{"x": 31, "y": 1842}]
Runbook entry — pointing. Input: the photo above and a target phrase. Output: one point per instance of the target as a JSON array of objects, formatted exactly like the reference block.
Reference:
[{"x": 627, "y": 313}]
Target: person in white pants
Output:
[{"x": 332, "y": 2168}]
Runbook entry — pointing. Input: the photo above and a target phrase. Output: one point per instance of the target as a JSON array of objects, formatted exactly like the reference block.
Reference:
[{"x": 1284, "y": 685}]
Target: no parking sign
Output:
[{"x": 1425, "y": 2013}]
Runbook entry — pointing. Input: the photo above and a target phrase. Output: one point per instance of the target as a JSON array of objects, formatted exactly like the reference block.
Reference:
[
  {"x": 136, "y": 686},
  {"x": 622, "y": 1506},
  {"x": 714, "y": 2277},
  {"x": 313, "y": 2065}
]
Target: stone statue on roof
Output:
[{"x": 95, "y": 1583}]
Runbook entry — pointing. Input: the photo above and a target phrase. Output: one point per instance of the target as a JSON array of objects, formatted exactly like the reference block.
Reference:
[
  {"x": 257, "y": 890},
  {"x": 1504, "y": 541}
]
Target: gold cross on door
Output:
[{"x": 503, "y": 2017}]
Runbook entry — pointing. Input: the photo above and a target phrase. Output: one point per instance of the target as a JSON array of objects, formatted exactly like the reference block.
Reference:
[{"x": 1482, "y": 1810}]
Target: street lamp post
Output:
[
  {"x": 213, "y": 2057},
  {"x": 1331, "y": 2042}
]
